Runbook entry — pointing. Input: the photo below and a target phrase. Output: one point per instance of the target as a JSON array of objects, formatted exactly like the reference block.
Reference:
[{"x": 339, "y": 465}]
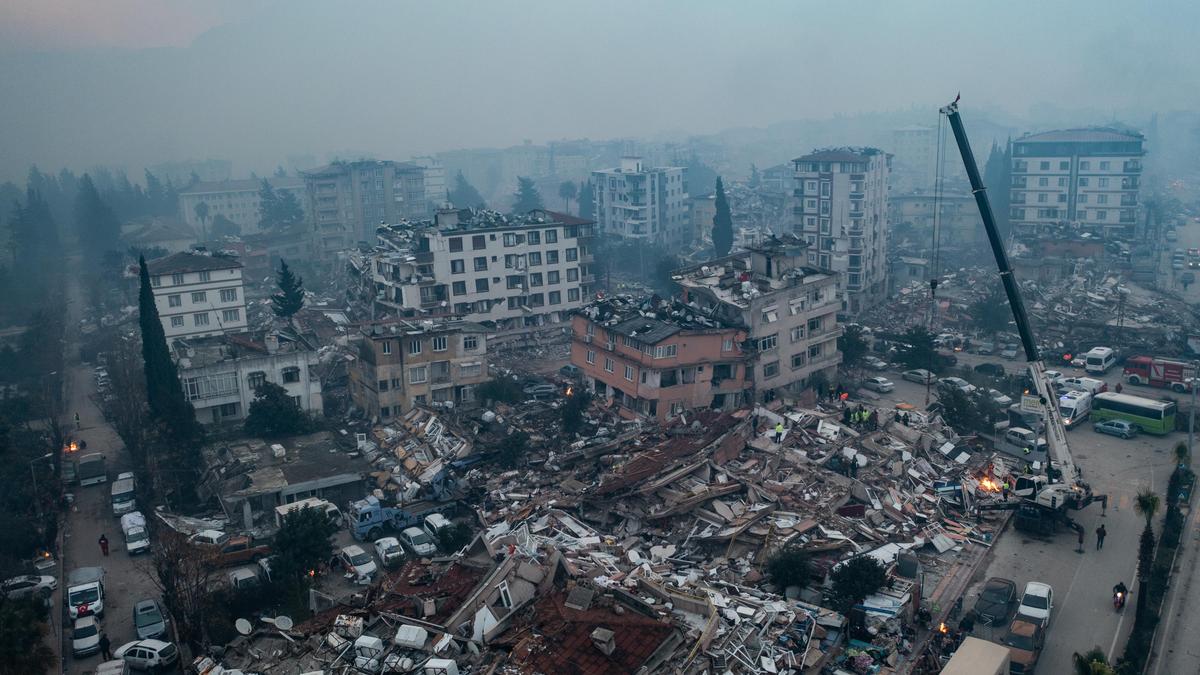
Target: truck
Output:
[
  {"x": 1159, "y": 372},
  {"x": 368, "y": 518},
  {"x": 232, "y": 550},
  {"x": 978, "y": 657},
  {"x": 91, "y": 469}
]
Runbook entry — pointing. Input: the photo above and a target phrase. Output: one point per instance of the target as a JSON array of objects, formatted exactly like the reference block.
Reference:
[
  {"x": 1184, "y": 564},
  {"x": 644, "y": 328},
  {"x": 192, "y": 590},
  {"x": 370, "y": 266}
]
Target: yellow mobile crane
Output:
[{"x": 1043, "y": 500}]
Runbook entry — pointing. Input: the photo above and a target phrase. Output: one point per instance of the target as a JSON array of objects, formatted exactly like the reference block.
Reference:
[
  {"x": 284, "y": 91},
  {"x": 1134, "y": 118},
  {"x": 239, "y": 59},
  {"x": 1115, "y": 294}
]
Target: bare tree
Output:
[
  {"x": 127, "y": 410},
  {"x": 184, "y": 575}
]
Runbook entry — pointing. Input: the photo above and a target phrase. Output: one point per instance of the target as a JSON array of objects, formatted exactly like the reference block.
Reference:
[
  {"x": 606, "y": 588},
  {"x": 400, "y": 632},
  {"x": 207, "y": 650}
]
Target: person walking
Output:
[
  {"x": 1101, "y": 533},
  {"x": 105, "y": 647},
  {"x": 778, "y": 432},
  {"x": 1119, "y": 387},
  {"x": 77, "y": 427},
  {"x": 1080, "y": 549},
  {"x": 103, "y": 544}
]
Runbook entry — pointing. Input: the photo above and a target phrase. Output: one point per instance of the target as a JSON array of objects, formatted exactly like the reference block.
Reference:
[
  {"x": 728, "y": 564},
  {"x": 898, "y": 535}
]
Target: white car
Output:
[
  {"x": 389, "y": 551},
  {"x": 85, "y": 638},
  {"x": 920, "y": 376},
  {"x": 875, "y": 363},
  {"x": 358, "y": 562},
  {"x": 28, "y": 584},
  {"x": 418, "y": 541},
  {"x": 435, "y": 523},
  {"x": 1037, "y": 601},
  {"x": 147, "y": 654},
  {"x": 879, "y": 384},
  {"x": 999, "y": 398},
  {"x": 208, "y": 537}
]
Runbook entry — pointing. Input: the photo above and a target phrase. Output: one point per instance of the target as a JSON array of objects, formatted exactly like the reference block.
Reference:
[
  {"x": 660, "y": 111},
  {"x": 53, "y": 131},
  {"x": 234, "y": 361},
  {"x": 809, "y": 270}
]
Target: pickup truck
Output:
[{"x": 233, "y": 550}]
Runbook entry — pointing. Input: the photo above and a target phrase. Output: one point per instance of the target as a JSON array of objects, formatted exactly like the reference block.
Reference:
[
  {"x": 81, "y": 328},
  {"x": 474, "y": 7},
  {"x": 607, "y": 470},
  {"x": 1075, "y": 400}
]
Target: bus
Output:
[{"x": 1150, "y": 415}]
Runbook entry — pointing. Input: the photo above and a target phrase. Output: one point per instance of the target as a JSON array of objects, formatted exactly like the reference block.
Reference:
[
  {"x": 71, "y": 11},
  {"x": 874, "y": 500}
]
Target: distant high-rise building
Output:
[
  {"x": 347, "y": 201},
  {"x": 841, "y": 210},
  {"x": 914, "y": 162},
  {"x": 236, "y": 200},
  {"x": 1090, "y": 177},
  {"x": 639, "y": 202},
  {"x": 435, "y": 181}
]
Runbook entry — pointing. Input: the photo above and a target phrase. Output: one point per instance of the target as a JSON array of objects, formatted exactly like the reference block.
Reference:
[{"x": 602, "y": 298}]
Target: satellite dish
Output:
[
  {"x": 243, "y": 626},
  {"x": 283, "y": 622}
]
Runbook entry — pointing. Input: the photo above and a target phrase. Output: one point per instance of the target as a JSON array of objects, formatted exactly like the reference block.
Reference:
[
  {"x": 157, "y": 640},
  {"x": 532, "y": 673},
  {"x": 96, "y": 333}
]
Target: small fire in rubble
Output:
[{"x": 989, "y": 484}]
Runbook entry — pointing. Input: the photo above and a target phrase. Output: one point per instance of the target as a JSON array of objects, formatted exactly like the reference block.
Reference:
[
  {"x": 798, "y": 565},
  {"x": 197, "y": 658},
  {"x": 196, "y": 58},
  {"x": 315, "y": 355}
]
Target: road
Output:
[{"x": 127, "y": 580}]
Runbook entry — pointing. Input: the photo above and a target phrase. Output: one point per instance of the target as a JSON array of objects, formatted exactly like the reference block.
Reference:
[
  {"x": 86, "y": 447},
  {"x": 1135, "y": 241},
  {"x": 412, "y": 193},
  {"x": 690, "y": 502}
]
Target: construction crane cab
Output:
[{"x": 1044, "y": 504}]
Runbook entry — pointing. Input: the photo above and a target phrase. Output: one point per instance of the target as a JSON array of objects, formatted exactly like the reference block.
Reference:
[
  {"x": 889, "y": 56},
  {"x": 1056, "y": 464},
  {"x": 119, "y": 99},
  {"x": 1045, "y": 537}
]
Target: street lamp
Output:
[{"x": 37, "y": 502}]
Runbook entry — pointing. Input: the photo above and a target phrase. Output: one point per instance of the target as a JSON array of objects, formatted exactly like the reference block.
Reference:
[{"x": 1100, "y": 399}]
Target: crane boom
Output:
[{"x": 1072, "y": 490}]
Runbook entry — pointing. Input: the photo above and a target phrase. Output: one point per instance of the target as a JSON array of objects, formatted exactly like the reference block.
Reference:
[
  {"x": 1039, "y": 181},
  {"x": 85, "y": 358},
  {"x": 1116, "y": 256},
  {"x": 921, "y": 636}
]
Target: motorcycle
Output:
[{"x": 1119, "y": 600}]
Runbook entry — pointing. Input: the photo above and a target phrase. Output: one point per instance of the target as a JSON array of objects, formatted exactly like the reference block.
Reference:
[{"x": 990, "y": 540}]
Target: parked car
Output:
[
  {"x": 357, "y": 561},
  {"x": 1088, "y": 384},
  {"x": 920, "y": 376},
  {"x": 1024, "y": 640},
  {"x": 949, "y": 384},
  {"x": 114, "y": 667},
  {"x": 1055, "y": 377},
  {"x": 992, "y": 369},
  {"x": 1037, "y": 602},
  {"x": 874, "y": 363},
  {"x": 996, "y": 601},
  {"x": 223, "y": 550},
  {"x": 540, "y": 390},
  {"x": 879, "y": 384},
  {"x": 986, "y": 348},
  {"x": 149, "y": 620},
  {"x": 998, "y": 397},
  {"x": 571, "y": 371},
  {"x": 85, "y": 637},
  {"x": 418, "y": 541},
  {"x": 433, "y": 524},
  {"x": 147, "y": 654},
  {"x": 389, "y": 551},
  {"x": 1009, "y": 352},
  {"x": 28, "y": 584},
  {"x": 1119, "y": 428}
]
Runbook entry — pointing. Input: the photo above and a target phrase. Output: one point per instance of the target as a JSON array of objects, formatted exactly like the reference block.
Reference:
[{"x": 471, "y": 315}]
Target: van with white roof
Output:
[
  {"x": 1075, "y": 407},
  {"x": 1099, "y": 359}
]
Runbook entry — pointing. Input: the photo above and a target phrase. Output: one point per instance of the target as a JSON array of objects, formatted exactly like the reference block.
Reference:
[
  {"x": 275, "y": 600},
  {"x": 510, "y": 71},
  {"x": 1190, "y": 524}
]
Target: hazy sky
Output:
[{"x": 132, "y": 82}]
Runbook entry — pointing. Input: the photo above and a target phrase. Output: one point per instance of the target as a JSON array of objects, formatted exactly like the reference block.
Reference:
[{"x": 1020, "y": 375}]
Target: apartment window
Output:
[
  {"x": 470, "y": 342},
  {"x": 1043, "y": 181},
  {"x": 797, "y": 333},
  {"x": 459, "y": 287},
  {"x": 1064, "y": 166},
  {"x": 797, "y": 361},
  {"x": 199, "y": 296},
  {"x": 534, "y": 238},
  {"x": 534, "y": 259},
  {"x": 1062, "y": 199},
  {"x": 608, "y": 365},
  {"x": 825, "y": 189},
  {"x": 383, "y": 385},
  {"x": 514, "y": 281},
  {"x": 256, "y": 379},
  {"x": 769, "y": 342},
  {"x": 1083, "y": 182},
  {"x": 572, "y": 254},
  {"x": 177, "y": 279},
  {"x": 555, "y": 298},
  {"x": 551, "y": 257},
  {"x": 510, "y": 239},
  {"x": 1085, "y": 165},
  {"x": 1083, "y": 198},
  {"x": 1103, "y": 182},
  {"x": 200, "y": 319},
  {"x": 418, "y": 375},
  {"x": 481, "y": 285},
  {"x": 573, "y": 274},
  {"x": 1062, "y": 181},
  {"x": 629, "y": 373},
  {"x": 536, "y": 300},
  {"x": 228, "y": 295},
  {"x": 770, "y": 315},
  {"x": 551, "y": 236},
  {"x": 1104, "y": 166},
  {"x": 510, "y": 261},
  {"x": 535, "y": 279},
  {"x": 458, "y": 266},
  {"x": 478, "y": 242},
  {"x": 440, "y": 343},
  {"x": 1101, "y": 198},
  {"x": 231, "y": 315},
  {"x": 1102, "y": 215},
  {"x": 396, "y": 382},
  {"x": 1044, "y": 166},
  {"x": 516, "y": 302},
  {"x": 177, "y": 322},
  {"x": 591, "y": 357},
  {"x": 386, "y": 411},
  {"x": 456, "y": 244},
  {"x": 386, "y": 346},
  {"x": 481, "y": 264},
  {"x": 572, "y": 295},
  {"x": 552, "y": 277},
  {"x": 174, "y": 300},
  {"x": 1042, "y": 198},
  {"x": 156, "y": 281},
  {"x": 414, "y": 347},
  {"x": 770, "y": 370},
  {"x": 727, "y": 345},
  {"x": 291, "y": 374},
  {"x": 470, "y": 369},
  {"x": 814, "y": 352},
  {"x": 824, "y": 208}
]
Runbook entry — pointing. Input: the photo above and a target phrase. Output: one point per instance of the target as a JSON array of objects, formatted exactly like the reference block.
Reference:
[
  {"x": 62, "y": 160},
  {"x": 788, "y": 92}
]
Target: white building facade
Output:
[
  {"x": 639, "y": 202},
  {"x": 841, "y": 210},
  {"x": 236, "y": 200},
  {"x": 198, "y": 295},
  {"x": 1087, "y": 177}
]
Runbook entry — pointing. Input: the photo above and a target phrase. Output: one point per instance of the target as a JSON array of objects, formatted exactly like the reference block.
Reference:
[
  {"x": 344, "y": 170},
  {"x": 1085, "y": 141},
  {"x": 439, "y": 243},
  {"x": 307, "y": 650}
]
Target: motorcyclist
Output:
[{"x": 1120, "y": 592}]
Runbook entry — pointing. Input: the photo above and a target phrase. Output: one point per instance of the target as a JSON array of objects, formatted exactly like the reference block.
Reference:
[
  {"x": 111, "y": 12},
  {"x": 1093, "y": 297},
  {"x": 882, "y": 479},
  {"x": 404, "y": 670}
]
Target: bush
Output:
[
  {"x": 855, "y": 580},
  {"x": 501, "y": 389},
  {"x": 790, "y": 567},
  {"x": 453, "y": 537}
]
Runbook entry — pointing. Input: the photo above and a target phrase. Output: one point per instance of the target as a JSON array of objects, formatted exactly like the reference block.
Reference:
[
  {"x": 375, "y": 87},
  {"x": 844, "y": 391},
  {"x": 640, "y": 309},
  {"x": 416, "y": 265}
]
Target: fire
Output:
[
  {"x": 942, "y": 628},
  {"x": 989, "y": 484},
  {"x": 570, "y": 390},
  {"x": 72, "y": 447}
]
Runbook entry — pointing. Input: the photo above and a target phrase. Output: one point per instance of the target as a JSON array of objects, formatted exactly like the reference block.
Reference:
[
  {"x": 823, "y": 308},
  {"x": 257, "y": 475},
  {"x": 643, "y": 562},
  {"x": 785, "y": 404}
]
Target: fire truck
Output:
[{"x": 1156, "y": 372}]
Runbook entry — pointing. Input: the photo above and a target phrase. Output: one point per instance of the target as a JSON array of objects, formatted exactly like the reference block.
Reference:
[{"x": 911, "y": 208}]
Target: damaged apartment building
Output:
[
  {"x": 789, "y": 311},
  {"x": 514, "y": 274},
  {"x": 404, "y": 363}
]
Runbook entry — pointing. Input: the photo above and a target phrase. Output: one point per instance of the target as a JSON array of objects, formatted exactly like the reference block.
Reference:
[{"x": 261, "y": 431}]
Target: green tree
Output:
[
  {"x": 501, "y": 390},
  {"x": 163, "y": 389},
  {"x": 453, "y": 537},
  {"x": 527, "y": 198},
  {"x": 587, "y": 209},
  {"x": 268, "y": 205},
  {"x": 23, "y": 637},
  {"x": 464, "y": 195},
  {"x": 790, "y": 566},
  {"x": 572, "y": 412},
  {"x": 567, "y": 191},
  {"x": 991, "y": 314},
  {"x": 965, "y": 414},
  {"x": 1092, "y": 662},
  {"x": 277, "y": 209},
  {"x": 854, "y": 580},
  {"x": 274, "y": 413},
  {"x": 1146, "y": 504},
  {"x": 919, "y": 352},
  {"x": 290, "y": 298},
  {"x": 852, "y": 345},
  {"x": 997, "y": 177},
  {"x": 224, "y": 227},
  {"x": 95, "y": 222},
  {"x": 201, "y": 210},
  {"x": 512, "y": 449},
  {"x": 302, "y": 545},
  {"x": 722, "y": 233}
]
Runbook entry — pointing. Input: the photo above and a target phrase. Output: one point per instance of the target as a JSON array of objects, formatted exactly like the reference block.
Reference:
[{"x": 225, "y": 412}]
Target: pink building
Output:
[{"x": 658, "y": 361}]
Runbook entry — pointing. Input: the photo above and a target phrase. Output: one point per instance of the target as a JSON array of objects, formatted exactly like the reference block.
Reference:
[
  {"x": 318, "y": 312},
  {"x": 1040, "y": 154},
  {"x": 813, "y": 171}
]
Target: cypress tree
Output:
[
  {"x": 290, "y": 297},
  {"x": 722, "y": 233},
  {"x": 164, "y": 392},
  {"x": 587, "y": 210},
  {"x": 528, "y": 197},
  {"x": 95, "y": 221},
  {"x": 464, "y": 195}
]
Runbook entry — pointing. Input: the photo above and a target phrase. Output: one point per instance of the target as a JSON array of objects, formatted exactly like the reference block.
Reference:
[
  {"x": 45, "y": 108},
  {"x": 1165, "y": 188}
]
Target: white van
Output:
[
  {"x": 1099, "y": 359},
  {"x": 137, "y": 538},
  {"x": 123, "y": 497},
  {"x": 331, "y": 511},
  {"x": 1074, "y": 406}
]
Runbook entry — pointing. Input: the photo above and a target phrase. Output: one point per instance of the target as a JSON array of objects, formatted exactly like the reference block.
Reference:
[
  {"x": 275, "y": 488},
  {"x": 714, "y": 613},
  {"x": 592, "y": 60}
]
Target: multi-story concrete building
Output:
[
  {"x": 348, "y": 200},
  {"x": 406, "y": 363},
  {"x": 640, "y": 202},
  {"x": 914, "y": 150},
  {"x": 236, "y": 200},
  {"x": 959, "y": 224},
  {"x": 840, "y": 209},
  {"x": 788, "y": 309},
  {"x": 1088, "y": 177},
  {"x": 513, "y": 272},
  {"x": 198, "y": 295},
  {"x": 659, "y": 361},
  {"x": 220, "y": 374},
  {"x": 435, "y": 181},
  {"x": 701, "y": 211}
]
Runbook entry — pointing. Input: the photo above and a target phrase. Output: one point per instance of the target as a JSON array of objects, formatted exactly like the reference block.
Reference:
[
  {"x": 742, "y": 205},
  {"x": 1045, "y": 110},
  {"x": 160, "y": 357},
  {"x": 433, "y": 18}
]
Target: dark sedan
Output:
[{"x": 996, "y": 601}]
